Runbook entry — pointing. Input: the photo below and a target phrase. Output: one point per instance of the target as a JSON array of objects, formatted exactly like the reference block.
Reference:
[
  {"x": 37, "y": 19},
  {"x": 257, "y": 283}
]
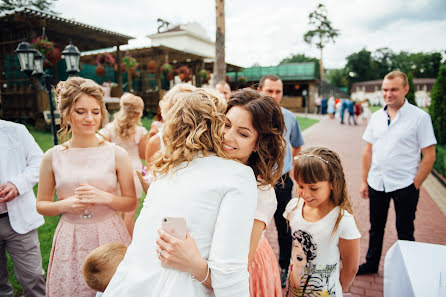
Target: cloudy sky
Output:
[{"x": 265, "y": 31}]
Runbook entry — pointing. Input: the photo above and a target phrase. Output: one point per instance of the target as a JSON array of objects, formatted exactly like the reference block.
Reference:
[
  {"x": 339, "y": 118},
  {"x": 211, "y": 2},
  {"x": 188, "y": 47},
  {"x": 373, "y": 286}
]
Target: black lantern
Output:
[
  {"x": 71, "y": 55},
  {"x": 25, "y": 53},
  {"x": 38, "y": 64}
]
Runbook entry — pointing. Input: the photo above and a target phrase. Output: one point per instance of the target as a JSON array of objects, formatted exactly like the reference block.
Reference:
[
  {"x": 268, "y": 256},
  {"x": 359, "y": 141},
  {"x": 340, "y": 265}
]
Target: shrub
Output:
[{"x": 437, "y": 109}]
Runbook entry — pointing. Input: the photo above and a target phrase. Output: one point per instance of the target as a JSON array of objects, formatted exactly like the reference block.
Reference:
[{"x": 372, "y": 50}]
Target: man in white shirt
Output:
[
  {"x": 391, "y": 167},
  {"x": 20, "y": 158}
]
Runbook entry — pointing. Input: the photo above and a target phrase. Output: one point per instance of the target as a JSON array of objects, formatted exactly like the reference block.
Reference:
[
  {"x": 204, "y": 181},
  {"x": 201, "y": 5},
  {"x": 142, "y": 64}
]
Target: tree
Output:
[
  {"x": 44, "y": 5},
  {"x": 322, "y": 32},
  {"x": 301, "y": 58},
  {"x": 359, "y": 67},
  {"x": 437, "y": 108},
  {"x": 220, "y": 64},
  {"x": 337, "y": 77},
  {"x": 411, "y": 94}
]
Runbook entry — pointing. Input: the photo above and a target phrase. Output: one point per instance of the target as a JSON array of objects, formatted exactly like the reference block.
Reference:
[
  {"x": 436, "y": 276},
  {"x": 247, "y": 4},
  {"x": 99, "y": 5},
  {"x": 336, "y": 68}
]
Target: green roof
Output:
[{"x": 286, "y": 72}]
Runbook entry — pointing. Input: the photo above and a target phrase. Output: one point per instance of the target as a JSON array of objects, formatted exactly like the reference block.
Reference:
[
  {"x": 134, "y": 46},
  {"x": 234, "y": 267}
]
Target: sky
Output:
[{"x": 264, "y": 31}]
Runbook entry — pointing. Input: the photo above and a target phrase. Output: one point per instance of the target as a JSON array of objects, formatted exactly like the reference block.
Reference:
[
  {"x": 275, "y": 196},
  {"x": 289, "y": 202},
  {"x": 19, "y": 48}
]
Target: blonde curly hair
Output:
[
  {"x": 193, "y": 125},
  {"x": 67, "y": 93},
  {"x": 128, "y": 116},
  {"x": 172, "y": 96}
]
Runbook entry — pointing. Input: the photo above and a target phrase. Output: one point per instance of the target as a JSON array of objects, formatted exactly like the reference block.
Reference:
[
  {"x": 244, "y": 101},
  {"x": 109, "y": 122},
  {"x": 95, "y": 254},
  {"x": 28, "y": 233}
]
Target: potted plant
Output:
[
  {"x": 43, "y": 45},
  {"x": 100, "y": 70},
  {"x": 205, "y": 75},
  {"x": 152, "y": 65},
  {"x": 166, "y": 68},
  {"x": 105, "y": 59}
]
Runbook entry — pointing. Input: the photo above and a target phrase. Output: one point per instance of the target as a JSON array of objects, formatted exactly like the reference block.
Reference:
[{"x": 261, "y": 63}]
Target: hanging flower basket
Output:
[
  {"x": 228, "y": 79},
  {"x": 129, "y": 63},
  {"x": 54, "y": 56},
  {"x": 43, "y": 45},
  {"x": 105, "y": 59},
  {"x": 169, "y": 76},
  {"x": 152, "y": 65},
  {"x": 100, "y": 70},
  {"x": 205, "y": 75},
  {"x": 242, "y": 79},
  {"x": 183, "y": 73},
  {"x": 166, "y": 68}
]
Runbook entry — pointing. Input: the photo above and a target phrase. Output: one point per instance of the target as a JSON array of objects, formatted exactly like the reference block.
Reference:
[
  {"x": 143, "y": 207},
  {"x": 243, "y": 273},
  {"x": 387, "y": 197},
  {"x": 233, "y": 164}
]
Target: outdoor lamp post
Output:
[
  {"x": 304, "y": 94},
  {"x": 31, "y": 62}
]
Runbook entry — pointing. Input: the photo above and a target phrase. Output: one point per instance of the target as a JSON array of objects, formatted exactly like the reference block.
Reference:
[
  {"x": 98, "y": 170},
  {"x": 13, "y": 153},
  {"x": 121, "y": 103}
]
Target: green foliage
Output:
[
  {"x": 437, "y": 109},
  {"x": 359, "y": 67},
  {"x": 411, "y": 94},
  {"x": 322, "y": 32},
  {"x": 44, "y": 5},
  {"x": 440, "y": 161},
  {"x": 337, "y": 77},
  {"x": 301, "y": 58}
]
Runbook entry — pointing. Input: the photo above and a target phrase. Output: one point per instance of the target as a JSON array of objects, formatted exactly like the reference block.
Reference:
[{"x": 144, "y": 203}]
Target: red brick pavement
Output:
[{"x": 347, "y": 142}]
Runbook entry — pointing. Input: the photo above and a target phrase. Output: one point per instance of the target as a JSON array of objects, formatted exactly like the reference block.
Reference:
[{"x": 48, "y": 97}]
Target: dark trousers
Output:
[
  {"x": 405, "y": 201},
  {"x": 283, "y": 195}
]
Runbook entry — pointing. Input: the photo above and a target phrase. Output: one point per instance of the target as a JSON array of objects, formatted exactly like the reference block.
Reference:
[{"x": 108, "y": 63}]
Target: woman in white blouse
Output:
[
  {"x": 216, "y": 196},
  {"x": 253, "y": 135}
]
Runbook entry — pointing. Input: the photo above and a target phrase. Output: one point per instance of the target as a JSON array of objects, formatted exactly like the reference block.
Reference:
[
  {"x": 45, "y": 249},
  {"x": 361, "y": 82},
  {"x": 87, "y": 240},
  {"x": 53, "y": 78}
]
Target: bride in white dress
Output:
[{"x": 216, "y": 196}]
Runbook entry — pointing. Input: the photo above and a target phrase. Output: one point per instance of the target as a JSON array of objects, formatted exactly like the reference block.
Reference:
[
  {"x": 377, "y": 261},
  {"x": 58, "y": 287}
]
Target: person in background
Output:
[
  {"x": 127, "y": 131},
  {"x": 271, "y": 85},
  {"x": 224, "y": 88},
  {"x": 155, "y": 142},
  {"x": 20, "y": 158},
  {"x": 351, "y": 111},
  {"x": 331, "y": 107},
  {"x": 391, "y": 169},
  {"x": 86, "y": 172}
]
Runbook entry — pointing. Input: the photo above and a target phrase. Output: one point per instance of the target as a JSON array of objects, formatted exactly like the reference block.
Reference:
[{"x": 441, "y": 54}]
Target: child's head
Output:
[
  {"x": 100, "y": 265},
  {"x": 319, "y": 165},
  {"x": 129, "y": 115}
]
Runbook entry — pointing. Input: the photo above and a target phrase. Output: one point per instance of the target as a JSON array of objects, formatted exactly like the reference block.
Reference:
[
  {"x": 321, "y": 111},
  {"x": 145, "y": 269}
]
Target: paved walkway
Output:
[{"x": 430, "y": 221}]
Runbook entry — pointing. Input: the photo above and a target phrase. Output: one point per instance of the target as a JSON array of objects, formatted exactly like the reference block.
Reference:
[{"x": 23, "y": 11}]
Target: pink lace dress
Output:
[{"x": 75, "y": 237}]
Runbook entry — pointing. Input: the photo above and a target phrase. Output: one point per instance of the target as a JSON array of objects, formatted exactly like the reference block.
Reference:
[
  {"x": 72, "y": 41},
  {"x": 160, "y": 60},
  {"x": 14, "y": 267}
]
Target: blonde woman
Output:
[
  {"x": 219, "y": 212},
  {"x": 85, "y": 171},
  {"x": 127, "y": 131},
  {"x": 155, "y": 142}
]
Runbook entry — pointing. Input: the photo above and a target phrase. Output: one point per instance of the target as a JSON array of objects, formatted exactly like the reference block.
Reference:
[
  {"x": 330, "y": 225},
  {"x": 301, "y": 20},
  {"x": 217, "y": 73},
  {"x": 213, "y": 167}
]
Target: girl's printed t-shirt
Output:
[{"x": 315, "y": 258}]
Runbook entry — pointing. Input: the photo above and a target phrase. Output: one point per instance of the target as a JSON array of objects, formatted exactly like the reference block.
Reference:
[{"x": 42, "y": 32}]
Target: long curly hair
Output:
[
  {"x": 317, "y": 164},
  {"x": 267, "y": 120},
  {"x": 67, "y": 93},
  {"x": 194, "y": 125},
  {"x": 128, "y": 116},
  {"x": 171, "y": 97}
]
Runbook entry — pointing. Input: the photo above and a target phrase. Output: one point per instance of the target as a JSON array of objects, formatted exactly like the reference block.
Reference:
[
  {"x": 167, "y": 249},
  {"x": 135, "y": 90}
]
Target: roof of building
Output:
[
  {"x": 21, "y": 23},
  {"x": 286, "y": 72}
]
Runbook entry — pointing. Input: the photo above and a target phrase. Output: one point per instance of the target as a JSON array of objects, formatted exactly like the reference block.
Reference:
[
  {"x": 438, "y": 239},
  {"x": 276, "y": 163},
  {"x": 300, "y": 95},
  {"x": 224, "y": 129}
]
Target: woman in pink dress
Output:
[
  {"x": 127, "y": 131},
  {"x": 85, "y": 171},
  {"x": 253, "y": 136}
]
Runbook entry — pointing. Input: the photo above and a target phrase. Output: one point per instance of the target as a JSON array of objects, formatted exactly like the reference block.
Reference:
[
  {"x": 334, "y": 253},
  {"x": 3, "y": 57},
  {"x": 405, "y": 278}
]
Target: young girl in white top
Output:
[
  {"x": 127, "y": 131},
  {"x": 323, "y": 228}
]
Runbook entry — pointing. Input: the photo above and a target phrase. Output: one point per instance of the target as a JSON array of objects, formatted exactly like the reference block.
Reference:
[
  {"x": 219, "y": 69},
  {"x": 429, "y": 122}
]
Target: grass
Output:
[{"x": 46, "y": 232}]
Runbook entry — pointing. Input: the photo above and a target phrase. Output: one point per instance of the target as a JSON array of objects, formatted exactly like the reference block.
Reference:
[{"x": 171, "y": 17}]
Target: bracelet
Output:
[{"x": 207, "y": 275}]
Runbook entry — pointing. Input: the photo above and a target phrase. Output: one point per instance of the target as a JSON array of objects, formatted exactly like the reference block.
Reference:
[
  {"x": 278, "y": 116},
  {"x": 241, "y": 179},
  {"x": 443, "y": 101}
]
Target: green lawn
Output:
[{"x": 44, "y": 139}]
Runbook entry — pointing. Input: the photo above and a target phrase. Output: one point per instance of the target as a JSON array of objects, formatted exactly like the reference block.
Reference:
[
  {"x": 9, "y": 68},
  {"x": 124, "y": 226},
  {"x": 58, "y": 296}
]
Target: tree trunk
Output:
[
  {"x": 321, "y": 68},
  {"x": 219, "y": 64}
]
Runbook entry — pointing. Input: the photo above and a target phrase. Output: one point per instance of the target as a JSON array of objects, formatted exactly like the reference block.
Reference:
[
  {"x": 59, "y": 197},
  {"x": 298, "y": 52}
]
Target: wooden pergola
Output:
[
  {"x": 160, "y": 54},
  {"x": 19, "y": 98}
]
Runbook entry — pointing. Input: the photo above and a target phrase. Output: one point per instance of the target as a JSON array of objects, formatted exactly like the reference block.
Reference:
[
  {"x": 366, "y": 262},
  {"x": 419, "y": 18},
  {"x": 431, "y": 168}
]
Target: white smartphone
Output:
[{"x": 174, "y": 226}]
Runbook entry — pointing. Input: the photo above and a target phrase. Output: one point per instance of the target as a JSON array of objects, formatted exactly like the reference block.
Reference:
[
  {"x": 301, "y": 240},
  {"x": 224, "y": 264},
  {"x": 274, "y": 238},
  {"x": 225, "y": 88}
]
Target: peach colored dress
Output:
[
  {"x": 264, "y": 275},
  {"x": 75, "y": 237},
  {"x": 131, "y": 146}
]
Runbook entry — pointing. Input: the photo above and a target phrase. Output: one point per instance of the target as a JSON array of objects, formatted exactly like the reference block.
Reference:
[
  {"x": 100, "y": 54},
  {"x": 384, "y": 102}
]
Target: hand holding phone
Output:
[{"x": 175, "y": 226}]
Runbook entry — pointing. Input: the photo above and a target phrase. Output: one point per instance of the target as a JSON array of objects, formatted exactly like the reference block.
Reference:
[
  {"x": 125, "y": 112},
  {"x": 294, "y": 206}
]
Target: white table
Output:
[{"x": 412, "y": 269}]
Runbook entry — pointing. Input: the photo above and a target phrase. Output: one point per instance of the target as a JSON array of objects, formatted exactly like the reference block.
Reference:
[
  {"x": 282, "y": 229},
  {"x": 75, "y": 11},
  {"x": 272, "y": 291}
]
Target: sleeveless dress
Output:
[
  {"x": 264, "y": 275},
  {"x": 131, "y": 146},
  {"x": 75, "y": 237}
]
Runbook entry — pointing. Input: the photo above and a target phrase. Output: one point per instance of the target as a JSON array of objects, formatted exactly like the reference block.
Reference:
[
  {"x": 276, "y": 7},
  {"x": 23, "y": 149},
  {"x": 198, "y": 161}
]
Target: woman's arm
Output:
[
  {"x": 256, "y": 233},
  {"x": 349, "y": 250},
  {"x": 142, "y": 147},
  {"x": 44, "y": 203},
  {"x": 153, "y": 145},
  {"x": 124, "y": 172}
]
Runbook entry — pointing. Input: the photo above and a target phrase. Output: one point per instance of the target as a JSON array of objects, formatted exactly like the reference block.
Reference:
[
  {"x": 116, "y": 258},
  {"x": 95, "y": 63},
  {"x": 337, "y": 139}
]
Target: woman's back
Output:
[{"x": 217, "y": 197}]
